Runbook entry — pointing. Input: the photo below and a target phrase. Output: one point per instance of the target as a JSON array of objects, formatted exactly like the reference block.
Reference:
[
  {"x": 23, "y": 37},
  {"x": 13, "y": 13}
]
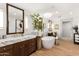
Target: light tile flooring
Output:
[{"x": 65, "y": 48}]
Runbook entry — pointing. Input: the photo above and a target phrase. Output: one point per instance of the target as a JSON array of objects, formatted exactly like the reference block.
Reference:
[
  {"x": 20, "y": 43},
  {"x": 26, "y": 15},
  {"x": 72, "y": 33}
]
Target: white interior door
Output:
[{"x": 67, "y": 30}]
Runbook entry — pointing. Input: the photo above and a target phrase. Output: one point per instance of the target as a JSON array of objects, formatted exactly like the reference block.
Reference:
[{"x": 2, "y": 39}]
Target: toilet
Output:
[{"x": 48, "y": 42}]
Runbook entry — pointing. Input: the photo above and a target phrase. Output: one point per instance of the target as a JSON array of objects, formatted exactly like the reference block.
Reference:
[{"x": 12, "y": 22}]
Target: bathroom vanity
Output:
[
  {"x": 17, "y": 45},
  {"x": 22, "y": 47}
]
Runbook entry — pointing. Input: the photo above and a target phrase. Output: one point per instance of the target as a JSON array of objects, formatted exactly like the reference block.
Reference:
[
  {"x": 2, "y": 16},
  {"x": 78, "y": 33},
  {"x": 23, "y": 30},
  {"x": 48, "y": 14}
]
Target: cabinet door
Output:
[
  {"x": 31, "y": 46},
  {"x": 22, "y": 49},
  {"x": 26, "y": 47},
  {"x": 6, "y": 51},
  {"x": 1, "y": 51},
  {"x": 16, "y": 49}
]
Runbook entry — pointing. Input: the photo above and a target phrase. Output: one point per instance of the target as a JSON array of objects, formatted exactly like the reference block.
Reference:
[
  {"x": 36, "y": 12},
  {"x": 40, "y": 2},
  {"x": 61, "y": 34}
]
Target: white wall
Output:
[
  {"x": 74, "y": 18},
  {"x": 3, "y": 7}
]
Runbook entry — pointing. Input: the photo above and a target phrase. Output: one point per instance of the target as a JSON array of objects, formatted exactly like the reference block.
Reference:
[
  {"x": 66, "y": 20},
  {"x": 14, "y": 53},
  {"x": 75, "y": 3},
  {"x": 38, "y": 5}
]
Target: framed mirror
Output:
[{"x": 15, "y": 19}]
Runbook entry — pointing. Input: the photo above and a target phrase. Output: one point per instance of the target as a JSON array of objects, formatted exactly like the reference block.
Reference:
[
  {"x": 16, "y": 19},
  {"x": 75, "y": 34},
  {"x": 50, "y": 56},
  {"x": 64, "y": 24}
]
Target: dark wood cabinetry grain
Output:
[
  {"x": 16, "y": 49},
  {"x": 23, "y": 48},
  {"x": 7, "y": 50}
]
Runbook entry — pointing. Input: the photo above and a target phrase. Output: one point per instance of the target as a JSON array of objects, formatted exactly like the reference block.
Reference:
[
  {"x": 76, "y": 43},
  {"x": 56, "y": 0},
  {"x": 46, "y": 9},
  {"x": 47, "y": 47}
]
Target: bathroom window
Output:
[
  {"x": 1, "y": 18},
  {"x": 26, "y": 22}
]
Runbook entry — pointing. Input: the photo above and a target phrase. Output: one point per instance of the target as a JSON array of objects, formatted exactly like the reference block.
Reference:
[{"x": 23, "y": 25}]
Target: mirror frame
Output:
[{"x": 7, "y": 17}]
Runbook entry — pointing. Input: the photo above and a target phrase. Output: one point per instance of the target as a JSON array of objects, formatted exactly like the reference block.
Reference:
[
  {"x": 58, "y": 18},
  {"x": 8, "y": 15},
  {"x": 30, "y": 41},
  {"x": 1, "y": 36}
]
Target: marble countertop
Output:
[{"x": 12, "y": 40}]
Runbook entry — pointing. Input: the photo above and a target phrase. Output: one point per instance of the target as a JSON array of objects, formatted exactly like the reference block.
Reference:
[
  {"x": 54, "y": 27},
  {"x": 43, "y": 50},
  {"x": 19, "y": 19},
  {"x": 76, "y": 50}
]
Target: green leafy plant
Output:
[{"x": 37, "y": 22}]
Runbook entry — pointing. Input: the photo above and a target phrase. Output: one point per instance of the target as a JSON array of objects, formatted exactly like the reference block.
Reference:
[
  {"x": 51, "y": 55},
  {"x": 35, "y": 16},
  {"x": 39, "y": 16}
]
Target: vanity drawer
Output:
[
  {"x": 2, "y": 49},
  {"x": 7, "y": 53},
  {"x": 6, "y": 48}
]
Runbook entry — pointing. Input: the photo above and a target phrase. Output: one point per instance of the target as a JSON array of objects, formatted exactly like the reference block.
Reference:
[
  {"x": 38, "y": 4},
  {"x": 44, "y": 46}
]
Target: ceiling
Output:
[
  {"x": 45, "y": 7},
  {"x": 35, "y": 7},
  {"x": 62, "y": 8},
  {"x": 41, "y": 7}
]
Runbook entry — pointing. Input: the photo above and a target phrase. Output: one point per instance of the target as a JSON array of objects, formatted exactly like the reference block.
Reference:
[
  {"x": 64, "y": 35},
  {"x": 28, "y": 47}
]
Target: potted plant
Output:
[
  {"x": 37, "y": 23},
  {"x": 76, "y": 28}
]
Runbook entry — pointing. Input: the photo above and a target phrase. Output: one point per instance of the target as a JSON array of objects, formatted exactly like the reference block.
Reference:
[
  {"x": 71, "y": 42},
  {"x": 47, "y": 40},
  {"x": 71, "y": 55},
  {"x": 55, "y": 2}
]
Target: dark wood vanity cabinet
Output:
[
  {"x": 6, "y": 51},
  {"x": 23, "y": 48},
  {"x": 32, "y": 47},
  {"x": 16, "y": 49}
]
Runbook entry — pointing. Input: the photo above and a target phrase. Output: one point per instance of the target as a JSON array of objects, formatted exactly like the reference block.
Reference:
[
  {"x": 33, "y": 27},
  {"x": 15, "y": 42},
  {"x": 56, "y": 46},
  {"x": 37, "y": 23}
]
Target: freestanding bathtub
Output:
[{"x": 48, "y": 42}]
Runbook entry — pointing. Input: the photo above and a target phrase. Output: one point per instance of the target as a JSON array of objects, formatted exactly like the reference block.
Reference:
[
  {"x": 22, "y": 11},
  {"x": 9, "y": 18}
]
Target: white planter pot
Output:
[{"x": 39, "y": 33}]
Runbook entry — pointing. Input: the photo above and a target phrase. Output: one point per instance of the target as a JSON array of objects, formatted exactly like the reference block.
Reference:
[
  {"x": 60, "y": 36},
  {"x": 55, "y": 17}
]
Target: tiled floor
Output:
[{"x": 65, "y": 48}]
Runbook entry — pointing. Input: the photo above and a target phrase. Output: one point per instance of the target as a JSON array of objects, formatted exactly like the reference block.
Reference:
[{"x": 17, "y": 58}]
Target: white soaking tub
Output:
[{"x": 48, "y": 42}]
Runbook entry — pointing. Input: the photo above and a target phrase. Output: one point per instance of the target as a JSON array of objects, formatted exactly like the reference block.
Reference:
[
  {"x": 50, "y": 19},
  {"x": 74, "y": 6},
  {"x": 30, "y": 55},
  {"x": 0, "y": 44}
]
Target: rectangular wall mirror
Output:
[{"x": 15, "y": 19}]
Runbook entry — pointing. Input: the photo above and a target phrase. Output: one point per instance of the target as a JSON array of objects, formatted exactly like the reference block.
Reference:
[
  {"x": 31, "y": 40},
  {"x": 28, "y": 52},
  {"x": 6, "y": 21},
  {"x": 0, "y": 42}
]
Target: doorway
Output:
[{"x": 67, "y": 31}]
